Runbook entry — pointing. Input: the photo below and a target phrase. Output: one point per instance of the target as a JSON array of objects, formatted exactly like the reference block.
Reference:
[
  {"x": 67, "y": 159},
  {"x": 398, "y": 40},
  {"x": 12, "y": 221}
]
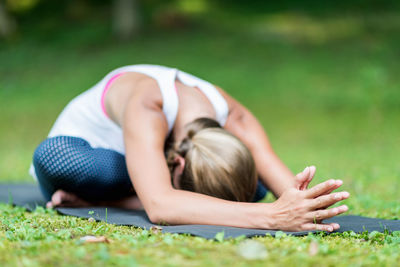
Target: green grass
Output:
[{"x": 333, "y": 104}]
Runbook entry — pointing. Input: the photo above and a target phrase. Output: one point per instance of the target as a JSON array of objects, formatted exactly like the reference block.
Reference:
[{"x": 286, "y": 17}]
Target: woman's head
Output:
[{"x": 212, "y": 161}]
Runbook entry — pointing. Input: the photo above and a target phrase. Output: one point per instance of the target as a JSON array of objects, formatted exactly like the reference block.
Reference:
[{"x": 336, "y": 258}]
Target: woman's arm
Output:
[
  {"x": 145, "y": 129},
  {"x": 246, "y": 127}
]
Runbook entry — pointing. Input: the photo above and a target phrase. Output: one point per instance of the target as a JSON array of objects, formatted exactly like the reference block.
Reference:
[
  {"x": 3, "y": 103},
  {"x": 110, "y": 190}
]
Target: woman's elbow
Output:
[
  {"x": 155, "y": 217},
  {"x": 162, "y": 217},
  {"x": 157, "y": 212}
]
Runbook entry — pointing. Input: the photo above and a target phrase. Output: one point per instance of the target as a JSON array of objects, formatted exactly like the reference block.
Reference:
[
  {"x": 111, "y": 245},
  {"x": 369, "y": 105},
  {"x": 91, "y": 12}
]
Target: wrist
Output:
[{"x": 262, "y": 216}]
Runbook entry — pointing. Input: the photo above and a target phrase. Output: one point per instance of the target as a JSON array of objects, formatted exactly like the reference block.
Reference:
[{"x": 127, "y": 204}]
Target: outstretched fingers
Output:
[
  {"x": 323, "y": 188},
  {"x": 302, "y": 178},
  {"x": 319, "y": 215},
  {"x": 329, "y": 191},
  {"x": 311, "y": 174},
  {"x": 319, "y": 227},
  {"x": 329, "y": 227},
  {"x": 335, "y": 226},
  {"x": 325, "y": 201}
]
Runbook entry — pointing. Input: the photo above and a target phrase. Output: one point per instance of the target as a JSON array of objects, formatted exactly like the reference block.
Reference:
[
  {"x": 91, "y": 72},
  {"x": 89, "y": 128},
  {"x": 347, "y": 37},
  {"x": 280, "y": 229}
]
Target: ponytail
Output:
[{"x": 216, "y": 162}]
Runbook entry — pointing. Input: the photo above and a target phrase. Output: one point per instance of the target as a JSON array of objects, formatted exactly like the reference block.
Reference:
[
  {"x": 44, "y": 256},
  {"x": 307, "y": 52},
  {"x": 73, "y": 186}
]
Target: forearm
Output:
[
  {"x": 184, "y": 207},
  {"x": 274, "y": 174},
  {"x": 270, "y": 168},
  {"x": 246, "y": 127}
]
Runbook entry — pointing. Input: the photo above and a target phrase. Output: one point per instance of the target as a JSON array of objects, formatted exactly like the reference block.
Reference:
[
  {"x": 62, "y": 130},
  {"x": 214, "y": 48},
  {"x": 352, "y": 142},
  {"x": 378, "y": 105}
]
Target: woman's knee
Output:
[
  {"x": 71, "y": 164},
  {"x": 41, "y": 156},
  {"x": 51, "y": 157}
]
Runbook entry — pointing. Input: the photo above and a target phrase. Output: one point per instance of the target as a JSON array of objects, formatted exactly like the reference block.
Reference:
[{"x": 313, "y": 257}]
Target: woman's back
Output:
[{"x": 96, "y": 114}]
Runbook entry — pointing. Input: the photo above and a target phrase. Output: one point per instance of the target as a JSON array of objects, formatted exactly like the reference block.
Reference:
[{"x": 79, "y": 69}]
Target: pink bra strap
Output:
[{"x": 110, "y": 81}]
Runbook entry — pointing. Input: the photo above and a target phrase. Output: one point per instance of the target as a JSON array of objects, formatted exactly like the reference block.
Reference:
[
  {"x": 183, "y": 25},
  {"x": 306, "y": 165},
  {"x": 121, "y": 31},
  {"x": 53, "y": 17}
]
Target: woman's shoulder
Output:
[
  {"x": 137, "y": 85},
  {"x": 132, "y": 88}
]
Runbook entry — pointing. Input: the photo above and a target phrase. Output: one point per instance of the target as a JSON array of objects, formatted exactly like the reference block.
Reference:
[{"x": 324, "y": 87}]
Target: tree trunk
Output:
[
  {"x": 8, "y": 25},
  {"x": 126, "y": 18}
]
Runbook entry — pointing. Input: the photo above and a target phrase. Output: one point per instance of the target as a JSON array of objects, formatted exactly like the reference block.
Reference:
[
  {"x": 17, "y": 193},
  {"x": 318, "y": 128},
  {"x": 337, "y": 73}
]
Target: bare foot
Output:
[{"x": 62, "y": 198}]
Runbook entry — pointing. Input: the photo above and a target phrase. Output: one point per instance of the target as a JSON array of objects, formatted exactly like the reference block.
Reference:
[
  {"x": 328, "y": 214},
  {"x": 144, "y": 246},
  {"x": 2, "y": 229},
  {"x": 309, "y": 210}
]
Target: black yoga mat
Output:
[{"x": 28, "y": 196}]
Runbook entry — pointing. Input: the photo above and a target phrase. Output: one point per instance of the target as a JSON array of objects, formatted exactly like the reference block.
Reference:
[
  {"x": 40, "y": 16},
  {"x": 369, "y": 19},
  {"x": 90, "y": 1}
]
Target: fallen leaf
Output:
[
  {"x": 94, "y": 239},
  {"x": 156, "y": 229},
  {"x": 252, "y": 250}
]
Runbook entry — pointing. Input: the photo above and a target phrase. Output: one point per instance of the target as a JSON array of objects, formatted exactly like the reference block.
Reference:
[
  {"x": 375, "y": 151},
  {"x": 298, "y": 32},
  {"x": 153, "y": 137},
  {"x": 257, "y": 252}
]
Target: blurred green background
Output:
[{"x": 323, "y": 77}]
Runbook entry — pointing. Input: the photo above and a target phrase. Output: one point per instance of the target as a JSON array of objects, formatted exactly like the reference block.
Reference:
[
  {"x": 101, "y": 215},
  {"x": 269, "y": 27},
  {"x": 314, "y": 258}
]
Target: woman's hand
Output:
[
  {"x": 305, "y": 210},
  {"x": 303, "y": 179}
]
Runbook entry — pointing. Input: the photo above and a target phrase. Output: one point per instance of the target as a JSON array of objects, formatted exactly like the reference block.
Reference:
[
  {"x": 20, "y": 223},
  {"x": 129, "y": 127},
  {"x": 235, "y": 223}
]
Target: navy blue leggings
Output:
[{"x": 71, "y": 164}]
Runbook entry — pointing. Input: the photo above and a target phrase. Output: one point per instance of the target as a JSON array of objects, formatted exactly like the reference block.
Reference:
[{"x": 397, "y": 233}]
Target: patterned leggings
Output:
[{"x": 71, "y": 164}]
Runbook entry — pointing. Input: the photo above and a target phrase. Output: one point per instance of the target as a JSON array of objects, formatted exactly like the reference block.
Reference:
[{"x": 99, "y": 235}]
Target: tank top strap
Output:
[
  {"x": 166, "y": 82},
  {"x": 217, "y": 100}
]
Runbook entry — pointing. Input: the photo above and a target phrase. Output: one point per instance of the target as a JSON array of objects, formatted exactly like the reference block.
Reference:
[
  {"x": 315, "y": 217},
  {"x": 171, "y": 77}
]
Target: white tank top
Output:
[{"x": 84, "y": 117}]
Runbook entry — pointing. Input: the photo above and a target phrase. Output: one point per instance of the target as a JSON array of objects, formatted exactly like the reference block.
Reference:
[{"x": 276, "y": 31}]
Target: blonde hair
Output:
[{"x": 216, "y": 163}]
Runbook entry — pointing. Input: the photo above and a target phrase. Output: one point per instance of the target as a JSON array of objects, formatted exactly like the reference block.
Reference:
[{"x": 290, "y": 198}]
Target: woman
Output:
[{"x": 183, "y": 149}]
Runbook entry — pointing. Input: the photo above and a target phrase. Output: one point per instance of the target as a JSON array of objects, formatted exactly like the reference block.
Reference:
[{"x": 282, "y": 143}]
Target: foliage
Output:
[
  {"x": 43, "y": 238},
  {"x": 19, "y": 6},
  {"x": 334, "y": 104}
]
